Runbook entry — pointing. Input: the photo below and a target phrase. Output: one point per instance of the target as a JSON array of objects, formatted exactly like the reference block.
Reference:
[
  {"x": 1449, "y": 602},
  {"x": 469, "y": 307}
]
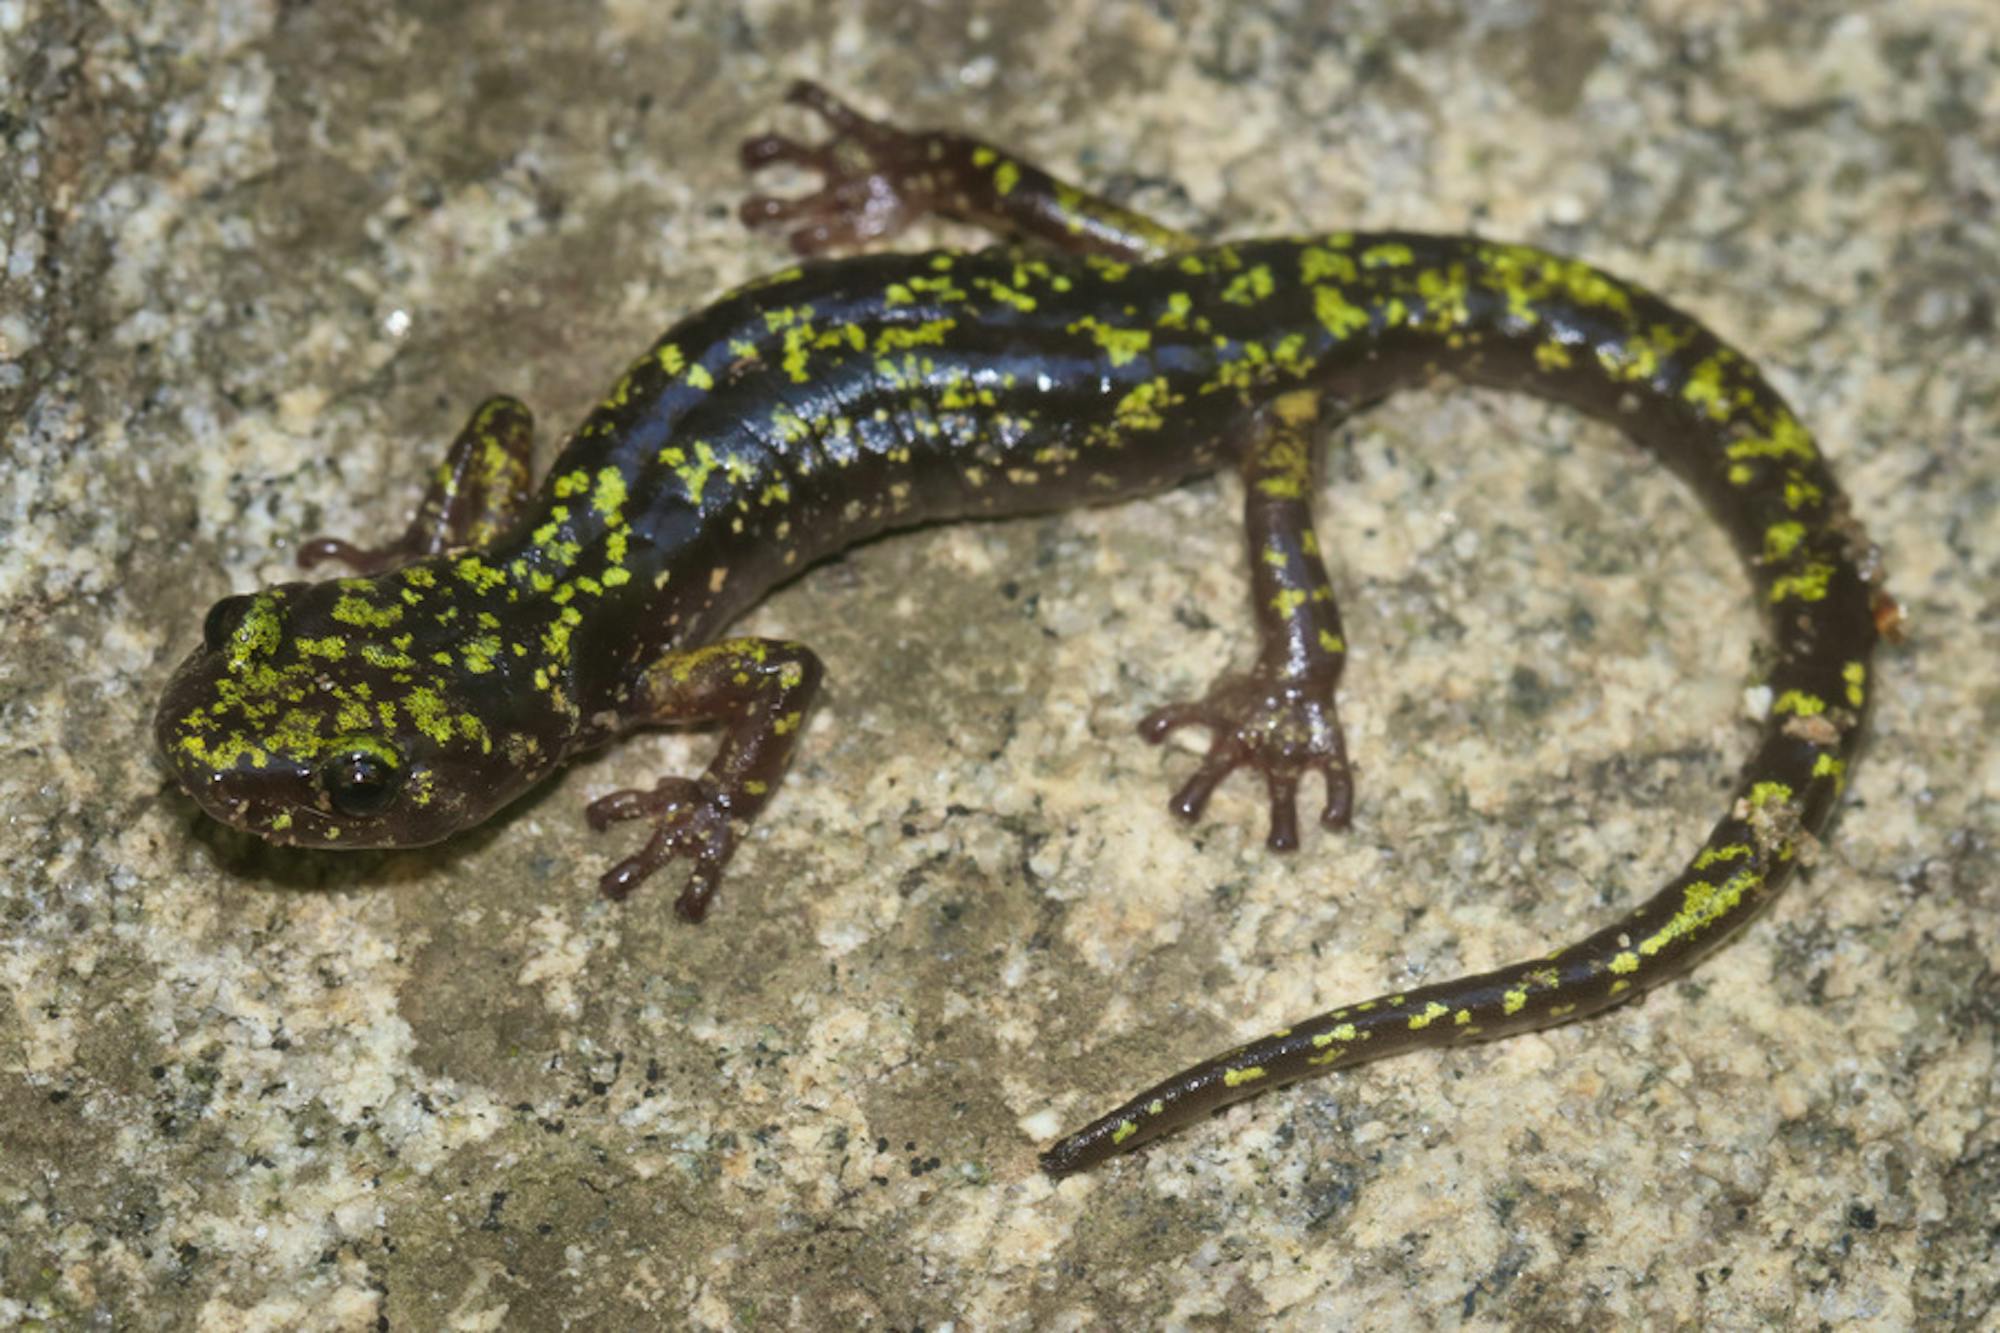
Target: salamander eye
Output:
[
  {"x": 361, "y": 782},
  {"x": 223, "y": 618}
]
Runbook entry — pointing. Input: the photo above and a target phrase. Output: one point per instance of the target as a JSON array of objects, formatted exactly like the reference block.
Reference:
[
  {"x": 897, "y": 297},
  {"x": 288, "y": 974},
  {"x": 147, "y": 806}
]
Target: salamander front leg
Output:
[
  {"x": 1279, "y": 717},
  {"x": 759, "y": 689},
  {"x": 476, "y": 492},
  {"x": 879, "y": 179}
]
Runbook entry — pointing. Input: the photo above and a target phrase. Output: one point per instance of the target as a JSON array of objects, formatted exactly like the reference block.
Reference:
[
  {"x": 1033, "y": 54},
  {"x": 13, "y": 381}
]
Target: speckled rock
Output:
[{"x": 257, "y": 259}]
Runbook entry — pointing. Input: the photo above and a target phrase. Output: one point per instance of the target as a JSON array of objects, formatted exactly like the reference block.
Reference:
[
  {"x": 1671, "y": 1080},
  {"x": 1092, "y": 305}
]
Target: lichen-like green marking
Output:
[
  {"x": 1785, "y": 438},
  {"x": 1120, "y": 345},
  {"x": 1250, "y": 286},
  {"x": 1704, "y": 389},
  {"x": 1336, "y": 314},
  {"x": 1734, "y": 851},
  {"x": 1781, "y": 539},
  {"x": 1808, "y": 585},
  {"x": 608, "y": 498},
  {"x": 1768, "y": 793},
  {"x": 483, "y": 577},
  {"x": 1553, "y": 356},
  {"x": 1799, "y": 703},
  {"x": 352, "y": 610},
  {"x": 1702, "y": 904},
  {"x": 1432, "y": 1012}
]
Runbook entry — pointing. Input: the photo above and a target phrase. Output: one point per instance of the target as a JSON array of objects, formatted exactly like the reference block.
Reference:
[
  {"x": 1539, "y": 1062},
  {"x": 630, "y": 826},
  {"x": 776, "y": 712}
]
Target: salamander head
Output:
[{"x": 311, "y": 715}]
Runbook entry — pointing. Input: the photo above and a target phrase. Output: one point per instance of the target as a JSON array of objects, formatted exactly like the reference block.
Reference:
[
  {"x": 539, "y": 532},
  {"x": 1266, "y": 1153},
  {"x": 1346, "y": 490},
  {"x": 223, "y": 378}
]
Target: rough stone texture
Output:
[{"x": 258, "y": 259}]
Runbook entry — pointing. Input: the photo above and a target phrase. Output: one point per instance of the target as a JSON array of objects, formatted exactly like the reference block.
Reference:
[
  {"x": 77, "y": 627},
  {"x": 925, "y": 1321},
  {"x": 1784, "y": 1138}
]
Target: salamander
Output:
[{"x": 1099, "y": 356}]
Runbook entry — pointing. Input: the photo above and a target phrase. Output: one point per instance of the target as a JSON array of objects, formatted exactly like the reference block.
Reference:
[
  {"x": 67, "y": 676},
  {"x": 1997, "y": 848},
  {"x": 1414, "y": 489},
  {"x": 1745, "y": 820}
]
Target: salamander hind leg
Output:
[
  {"x": 1279, "y": 717},
  {"x": 878, "y": 179},
  {"x": 477, "y": 491},
  {"x": 760, "y": 690}
]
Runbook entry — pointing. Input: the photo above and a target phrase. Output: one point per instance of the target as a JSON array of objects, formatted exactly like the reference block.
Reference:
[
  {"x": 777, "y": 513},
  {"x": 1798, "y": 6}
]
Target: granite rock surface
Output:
[{"x": 258, "y": 258}]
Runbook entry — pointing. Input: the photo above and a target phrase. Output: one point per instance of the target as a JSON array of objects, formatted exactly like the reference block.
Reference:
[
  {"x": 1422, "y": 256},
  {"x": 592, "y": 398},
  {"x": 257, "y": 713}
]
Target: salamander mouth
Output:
[
  {"x": 280, "y": 804},
  {"x": 264, "y": 801}
]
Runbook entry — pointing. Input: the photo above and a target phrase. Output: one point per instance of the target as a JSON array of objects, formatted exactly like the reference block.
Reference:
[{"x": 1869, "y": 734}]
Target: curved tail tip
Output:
[
  {"x": 1057, "y": 1163},
  {"x": 1079, "y": 1151}
]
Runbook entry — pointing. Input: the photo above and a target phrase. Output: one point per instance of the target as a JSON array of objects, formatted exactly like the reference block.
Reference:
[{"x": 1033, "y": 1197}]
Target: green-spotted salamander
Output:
[{"x": 512, "y": 628}]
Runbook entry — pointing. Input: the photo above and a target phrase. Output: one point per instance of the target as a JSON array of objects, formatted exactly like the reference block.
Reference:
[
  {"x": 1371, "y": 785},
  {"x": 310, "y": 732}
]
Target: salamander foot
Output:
[
  {"x": 691, "y": 819},
  {"x": 1281, "y": 728},
  {"x": 877, "y": 179}
]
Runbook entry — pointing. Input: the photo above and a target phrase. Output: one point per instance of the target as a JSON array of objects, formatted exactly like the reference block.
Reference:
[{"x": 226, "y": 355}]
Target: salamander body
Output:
[{"x": 513, "y": 627}]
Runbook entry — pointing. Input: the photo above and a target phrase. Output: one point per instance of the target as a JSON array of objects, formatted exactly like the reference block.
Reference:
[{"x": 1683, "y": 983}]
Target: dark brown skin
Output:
[{"x": 509, "y": 630}]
